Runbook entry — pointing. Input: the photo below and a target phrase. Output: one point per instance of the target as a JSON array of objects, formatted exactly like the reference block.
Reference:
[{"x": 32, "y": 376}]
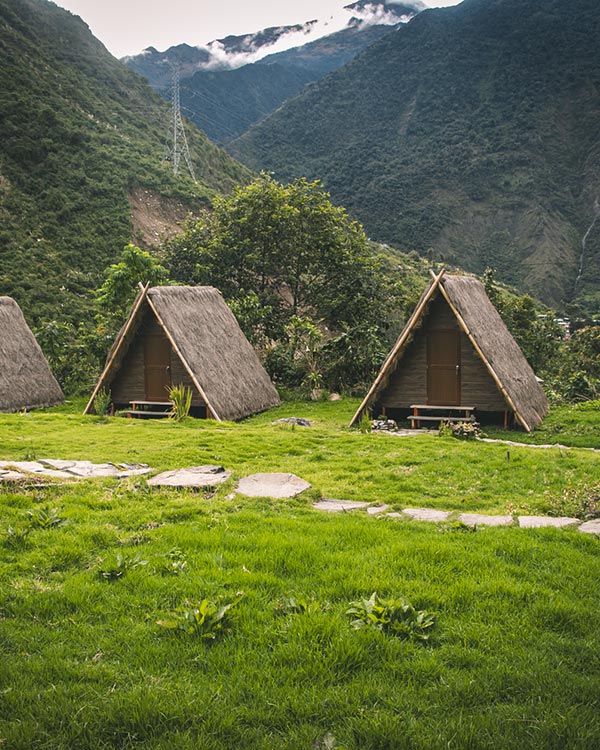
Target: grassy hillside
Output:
[
  {"x": 511, "y": 663},
  {"x": 471, "y": 131},
  {"x": 81, "y": 138}
]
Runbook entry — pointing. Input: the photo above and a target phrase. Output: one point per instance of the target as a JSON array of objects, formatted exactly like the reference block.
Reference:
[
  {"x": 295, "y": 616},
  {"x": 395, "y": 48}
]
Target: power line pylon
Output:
[{"x": 177, "y": 145}]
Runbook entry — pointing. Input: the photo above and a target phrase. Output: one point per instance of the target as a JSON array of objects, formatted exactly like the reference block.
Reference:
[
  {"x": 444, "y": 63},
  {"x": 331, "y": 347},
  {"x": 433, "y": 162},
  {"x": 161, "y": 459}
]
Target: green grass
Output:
[
  {"x": 403, "y": 472},
  {"x": 512, "y": 662}
]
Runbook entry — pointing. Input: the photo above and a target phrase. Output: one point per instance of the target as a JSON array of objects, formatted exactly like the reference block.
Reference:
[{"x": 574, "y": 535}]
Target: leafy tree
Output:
[
  {"x": 287, "y": 259},
  {"x": 115, "y": 296}
]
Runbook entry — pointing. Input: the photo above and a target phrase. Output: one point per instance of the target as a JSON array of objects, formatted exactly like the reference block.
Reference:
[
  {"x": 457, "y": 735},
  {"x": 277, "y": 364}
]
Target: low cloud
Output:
[{"x": 253, "y": 48}]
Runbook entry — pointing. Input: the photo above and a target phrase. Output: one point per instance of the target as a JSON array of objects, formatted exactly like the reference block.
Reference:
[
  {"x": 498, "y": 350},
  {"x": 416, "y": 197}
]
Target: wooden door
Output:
[
  {"x": 443, "y": 368},
  {"x": 157, "y": 365}
]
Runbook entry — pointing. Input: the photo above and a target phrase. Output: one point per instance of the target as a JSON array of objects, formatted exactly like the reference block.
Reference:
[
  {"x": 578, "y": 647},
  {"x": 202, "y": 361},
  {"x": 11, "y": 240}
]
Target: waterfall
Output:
[{"x": 584, "y": 244}]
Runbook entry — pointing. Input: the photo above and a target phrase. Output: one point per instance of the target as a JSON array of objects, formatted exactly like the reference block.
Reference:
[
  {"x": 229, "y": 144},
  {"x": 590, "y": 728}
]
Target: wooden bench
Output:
[
  {"x": 149, "y": 409},
  {"x": 447, "y": 414}
]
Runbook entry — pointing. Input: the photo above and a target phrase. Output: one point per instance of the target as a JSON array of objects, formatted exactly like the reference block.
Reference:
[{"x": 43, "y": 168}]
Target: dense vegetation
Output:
[
  {"x": 79, "y": 134},
  {"x": 470, "y": 134},
  {"x": 89, "y": 570}
]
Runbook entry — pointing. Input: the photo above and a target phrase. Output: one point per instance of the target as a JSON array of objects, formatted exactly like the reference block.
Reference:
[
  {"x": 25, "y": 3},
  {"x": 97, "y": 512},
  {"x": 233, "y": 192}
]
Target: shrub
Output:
[{"x": 102, "y": 403}]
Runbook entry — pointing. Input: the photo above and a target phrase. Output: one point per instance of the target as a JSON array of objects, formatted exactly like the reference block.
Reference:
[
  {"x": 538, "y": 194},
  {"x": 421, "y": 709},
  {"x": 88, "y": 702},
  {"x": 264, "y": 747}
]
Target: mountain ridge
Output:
[{"x": 224, "y": 97}]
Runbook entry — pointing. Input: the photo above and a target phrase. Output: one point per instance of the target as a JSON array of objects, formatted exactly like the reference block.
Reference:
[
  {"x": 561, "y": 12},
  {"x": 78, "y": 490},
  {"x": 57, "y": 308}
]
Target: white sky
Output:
[{"x": 127, "y": 26}]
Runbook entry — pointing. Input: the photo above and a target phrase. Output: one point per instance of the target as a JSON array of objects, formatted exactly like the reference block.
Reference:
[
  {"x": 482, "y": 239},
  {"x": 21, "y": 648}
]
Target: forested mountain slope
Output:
[
  {"x": 81, "y": 147},
  {"x": 471, "y": 134}
]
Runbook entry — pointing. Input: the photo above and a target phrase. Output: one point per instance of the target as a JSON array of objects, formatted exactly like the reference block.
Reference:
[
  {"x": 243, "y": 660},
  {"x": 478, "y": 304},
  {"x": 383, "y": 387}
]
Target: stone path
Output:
[
  {"x": 329, "y": 505},
  {"x": 17, "y": 471},
  {"x": 275, "y": 485}
]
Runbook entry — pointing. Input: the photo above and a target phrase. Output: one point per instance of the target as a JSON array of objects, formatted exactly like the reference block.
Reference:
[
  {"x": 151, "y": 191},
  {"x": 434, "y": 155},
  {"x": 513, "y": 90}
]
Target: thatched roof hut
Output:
[
  {"x": 456, "y": 350},
  {"x": 26, "y": 381},
  {"x": 186, "y": 335}
]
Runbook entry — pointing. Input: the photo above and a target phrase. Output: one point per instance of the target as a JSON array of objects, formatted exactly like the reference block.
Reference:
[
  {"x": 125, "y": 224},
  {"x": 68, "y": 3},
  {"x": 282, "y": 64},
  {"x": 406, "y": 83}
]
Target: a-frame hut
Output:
[
  {"x": 186, "y": 335},
  {"x": 456, "y": 352},
  {"x": 26, "y": 381}
]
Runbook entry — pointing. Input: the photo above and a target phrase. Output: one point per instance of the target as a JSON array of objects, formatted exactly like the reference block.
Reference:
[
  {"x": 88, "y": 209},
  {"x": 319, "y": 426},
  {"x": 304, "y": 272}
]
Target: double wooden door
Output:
[{"x": 443, "y": 368}]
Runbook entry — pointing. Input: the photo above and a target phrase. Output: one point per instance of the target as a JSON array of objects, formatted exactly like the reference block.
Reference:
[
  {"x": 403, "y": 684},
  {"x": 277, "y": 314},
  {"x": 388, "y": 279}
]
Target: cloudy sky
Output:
[{"x": 128, "y": 26}]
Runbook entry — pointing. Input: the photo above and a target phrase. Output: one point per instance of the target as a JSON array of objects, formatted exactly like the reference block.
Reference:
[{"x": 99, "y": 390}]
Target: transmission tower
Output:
[{"x": 177, "y": 145}]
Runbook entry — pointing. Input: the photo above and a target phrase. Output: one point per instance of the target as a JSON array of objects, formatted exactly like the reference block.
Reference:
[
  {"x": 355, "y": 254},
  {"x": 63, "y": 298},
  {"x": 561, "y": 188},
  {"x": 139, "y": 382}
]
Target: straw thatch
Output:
[
  {"x": 481, "y": 323},
  {"x": 212, "y": 348},
  {"x": 26, "y": 381}
]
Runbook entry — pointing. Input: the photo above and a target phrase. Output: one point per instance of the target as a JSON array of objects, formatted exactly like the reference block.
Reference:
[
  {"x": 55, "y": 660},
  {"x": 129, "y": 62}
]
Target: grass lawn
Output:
[{"x": 513, "y": 661}]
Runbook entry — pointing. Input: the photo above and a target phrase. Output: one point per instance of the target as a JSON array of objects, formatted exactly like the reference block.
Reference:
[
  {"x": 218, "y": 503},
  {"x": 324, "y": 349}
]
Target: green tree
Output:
[
  {"x": 115, "y": 296},
  {"x": 283, "y": 254}
]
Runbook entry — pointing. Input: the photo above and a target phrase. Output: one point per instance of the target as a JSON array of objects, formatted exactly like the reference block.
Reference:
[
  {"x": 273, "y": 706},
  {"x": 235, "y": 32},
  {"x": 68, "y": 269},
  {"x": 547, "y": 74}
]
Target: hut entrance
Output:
[
  {"x": 157, "y": 366},
  {"x": 443, "y": 367}
]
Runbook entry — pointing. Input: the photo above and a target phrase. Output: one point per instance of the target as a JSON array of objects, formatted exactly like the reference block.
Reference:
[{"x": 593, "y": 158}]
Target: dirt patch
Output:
[{"x": 155, "y": 217}]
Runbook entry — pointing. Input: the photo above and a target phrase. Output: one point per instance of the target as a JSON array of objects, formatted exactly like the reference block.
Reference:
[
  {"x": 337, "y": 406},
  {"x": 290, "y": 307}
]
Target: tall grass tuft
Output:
[{"x": 181, "y": 396}]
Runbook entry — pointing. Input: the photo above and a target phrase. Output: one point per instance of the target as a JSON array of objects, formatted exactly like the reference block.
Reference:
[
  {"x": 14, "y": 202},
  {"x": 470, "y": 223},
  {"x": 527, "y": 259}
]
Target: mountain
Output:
[
  {"x": 470, "y": 134},
  {"x": 233, "y": 82},
  {"x": 81, "y": 173}
]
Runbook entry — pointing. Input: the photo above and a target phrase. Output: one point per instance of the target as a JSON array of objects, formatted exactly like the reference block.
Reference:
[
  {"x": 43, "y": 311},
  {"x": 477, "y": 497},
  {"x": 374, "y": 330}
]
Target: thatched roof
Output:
[
  {"x": 26, "y": 381},
  {"x": 211, "y": 345},
  {"x": 482, "y": 324}
]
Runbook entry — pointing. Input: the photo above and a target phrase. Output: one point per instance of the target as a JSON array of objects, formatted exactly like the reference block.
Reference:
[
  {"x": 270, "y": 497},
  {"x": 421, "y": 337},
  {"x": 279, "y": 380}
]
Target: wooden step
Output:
[
  {"x": 139, "y": 414},
  {"x": 440, "y": 418}
]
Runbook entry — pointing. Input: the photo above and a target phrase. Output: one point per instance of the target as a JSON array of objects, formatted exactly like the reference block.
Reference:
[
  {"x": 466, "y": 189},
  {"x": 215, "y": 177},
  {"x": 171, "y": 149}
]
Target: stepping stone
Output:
[
  {"x": 375, "y": 510},
  {"x": 195, "y": 476},
  {"x": 427, "y": 514},
  {"x": 33, "y": 467},
  {"x": 591, "y": 527},
  {"x": 275, "y": 485},
  {"x": 329, "y": 505},
  {"x": 478, "y": 519},
  {"x": 298, "y": 421},
  {"x": 536, "y": 522},
  {"x": 11, "y": 476}
]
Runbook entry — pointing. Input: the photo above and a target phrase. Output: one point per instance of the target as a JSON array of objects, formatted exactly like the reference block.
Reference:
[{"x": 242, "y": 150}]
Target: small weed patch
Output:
[
  {"x": 206, "y": 620},
  {"x": 392, "y": 617}
]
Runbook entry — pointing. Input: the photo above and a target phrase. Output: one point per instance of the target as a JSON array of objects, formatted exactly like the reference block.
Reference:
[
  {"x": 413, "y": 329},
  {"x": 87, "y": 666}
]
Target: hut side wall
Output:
[
  {"x": 408, "y": 384},
  {"x": 477, "y": 385},
  {"x": 129, "y": 383}
]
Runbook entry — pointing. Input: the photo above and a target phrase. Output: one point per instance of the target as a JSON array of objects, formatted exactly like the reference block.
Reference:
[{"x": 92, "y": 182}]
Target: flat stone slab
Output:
[
  {"x": 479, "y": 519},
  {"x": 329, "y": 505},
  {"x": 298, "y": 421},
  {"x": 275, "y": 485},
  {"x": 59, "y": 469},
  {"x": 375, "y": 510},
  {"x": 11, "y": 476},
  {"x": 536, "y": 522},
  {"x": 194, "y": 476},
  {"x": 591, "y": 527},
  {"x": 427, "y": 514}
]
